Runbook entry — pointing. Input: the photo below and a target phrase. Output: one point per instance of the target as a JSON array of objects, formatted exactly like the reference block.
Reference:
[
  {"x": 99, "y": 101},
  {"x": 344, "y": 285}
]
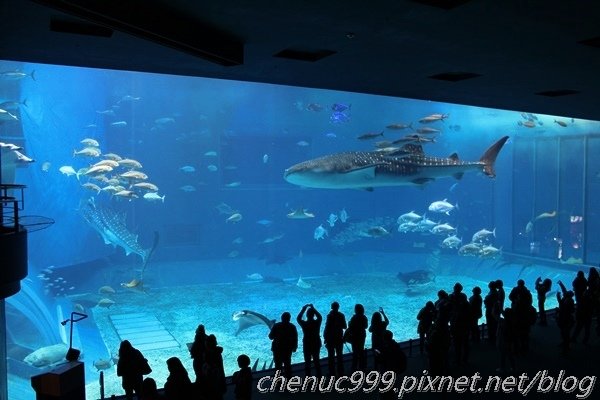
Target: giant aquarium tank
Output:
[{"x": 181, "y": 201}]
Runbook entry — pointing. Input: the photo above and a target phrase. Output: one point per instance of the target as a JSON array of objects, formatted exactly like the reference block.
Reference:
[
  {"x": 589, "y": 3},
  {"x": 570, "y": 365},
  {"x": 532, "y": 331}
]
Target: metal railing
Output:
[{"x": 12, "y": 200}]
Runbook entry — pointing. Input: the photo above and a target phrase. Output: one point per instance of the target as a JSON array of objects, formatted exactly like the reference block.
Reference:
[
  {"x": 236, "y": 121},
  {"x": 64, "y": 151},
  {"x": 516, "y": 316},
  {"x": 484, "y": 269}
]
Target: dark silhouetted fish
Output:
[
  {"x": 368, "y": 169},
  {"x": 418, "y": 277}
]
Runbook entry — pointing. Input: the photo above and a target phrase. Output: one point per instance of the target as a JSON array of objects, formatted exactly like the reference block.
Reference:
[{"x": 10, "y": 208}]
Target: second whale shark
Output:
[{"x": 368, "y": 169}]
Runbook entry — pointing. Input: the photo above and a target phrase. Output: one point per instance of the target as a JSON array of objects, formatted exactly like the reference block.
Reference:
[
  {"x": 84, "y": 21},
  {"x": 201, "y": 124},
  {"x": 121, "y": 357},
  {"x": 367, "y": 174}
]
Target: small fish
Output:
[
  {"x": 428, "y": 130},
  {"x": 88, "y": 142},
  {"x": 233, "y": 184},
  {"x": 400, "y": 126},
  {"x": 320, "y": 233},
  {"x": 443, "y": 229},
  {"x": 238, "y": 240},
  {"x": 12, "y": 105},
  {"x": 119, "y": 124},
  {"x": 332, "y": 219},
  {"x": 106, "y": 290},
  {"x": 164, "y": 121},
  {"x": 237, "y": 217},
  {"x": 451, "y": 242},
  {"x": 314, "y": 107},
  {"x": 188, "y": 188},
  {"x": 470, "y": 249},
  {"x": 433, "y": 118},
  {"x": 211, "y": 153},
  {"x": 369, "y": 135},
  {"x": 105, "y": 303},
  {"x": 265, "y": 158},
  {"x": 134, "y": 175},
  {"x": 409, "y": 217},
  {"x": 529, "y": 227},
  {"x": 22, "y": 158},
  {"x": 255, "y": 277},
  {"x": 339, "y": 117},
  {"x": 483, "y": 234},
  {"x": 303, "y": 143},
  {"x": 7, "y": 116},
  {"x": 272, "y": 239},
  {"x": 10, "y": 146},
  {"x": 113, "y": 157},
  {"x": 87, "y": 152},
  {"x": 344, "y": 215},
  {"x": 454, "y": 185},
  {"x": 146, "y": 186},
  {"x": 212, "y": 168},
  {"x": 127, "y": 194},
  {"x": 330, "y": 135},
  {"x": 527, "y": 124},
  {"x": 376, "y": 231},
  {"x": 153, "y": 196},
  {"x": 46, "y": 166},
  {"x": 340, "y": 107},
  {"x": 264, "y": 222},
  {"x": 442, "y": 206},
  {"x": 561, "y": 123},
  {"x": 16, "y": 75},
  {"x": 91, "y": 126},
  {"x": 187, "y": 168},
  {"x": 130, "y": 163},
  {"x": 551, "y": 214},
  {"x": 129, "y": 98},
  {"x": 233, "y": 254},
  {"x": 109, "y": 112}
]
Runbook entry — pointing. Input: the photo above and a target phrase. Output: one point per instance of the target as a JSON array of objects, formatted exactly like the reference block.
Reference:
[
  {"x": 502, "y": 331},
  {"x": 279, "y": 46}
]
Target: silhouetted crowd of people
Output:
[{"x": 450, "y": 322}]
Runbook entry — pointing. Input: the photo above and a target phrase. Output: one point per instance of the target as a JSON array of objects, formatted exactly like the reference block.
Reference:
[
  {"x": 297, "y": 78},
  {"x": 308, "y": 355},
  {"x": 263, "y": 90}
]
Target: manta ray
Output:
[
  {"x": 247, "y": 318},
  {"x": 111, "y": 226},
  {"x": 407, "y": 165}
]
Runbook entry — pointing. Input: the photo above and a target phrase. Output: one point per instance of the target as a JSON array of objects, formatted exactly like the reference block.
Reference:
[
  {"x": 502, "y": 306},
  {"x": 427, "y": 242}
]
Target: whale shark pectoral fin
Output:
[{"x": 361, "y": 173}]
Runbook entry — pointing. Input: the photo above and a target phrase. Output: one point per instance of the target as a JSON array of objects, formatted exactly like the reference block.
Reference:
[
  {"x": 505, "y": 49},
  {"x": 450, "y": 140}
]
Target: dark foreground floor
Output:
[{"x": 581, "y": 367}]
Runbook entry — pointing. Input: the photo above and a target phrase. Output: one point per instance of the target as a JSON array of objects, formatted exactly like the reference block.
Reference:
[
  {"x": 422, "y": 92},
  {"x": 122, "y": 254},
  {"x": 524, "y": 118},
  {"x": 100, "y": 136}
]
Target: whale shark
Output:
[
  {"x": 111, "y": 227},
  {"x": 247, "y": 318},
  {"x": 407, "y": 165}
]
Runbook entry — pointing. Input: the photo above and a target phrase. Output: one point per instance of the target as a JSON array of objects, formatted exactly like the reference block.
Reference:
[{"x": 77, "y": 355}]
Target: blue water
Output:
[{"x": 238, "y": 138}]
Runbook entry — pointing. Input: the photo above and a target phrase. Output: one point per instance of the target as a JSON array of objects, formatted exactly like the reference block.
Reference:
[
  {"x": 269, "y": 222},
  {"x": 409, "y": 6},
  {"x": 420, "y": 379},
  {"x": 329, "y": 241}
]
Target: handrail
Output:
[{"x": 11, "y": 205}]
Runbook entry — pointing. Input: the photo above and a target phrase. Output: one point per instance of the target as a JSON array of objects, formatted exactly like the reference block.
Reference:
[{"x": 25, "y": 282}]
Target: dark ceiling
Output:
[{"x": 520, "y": 55}]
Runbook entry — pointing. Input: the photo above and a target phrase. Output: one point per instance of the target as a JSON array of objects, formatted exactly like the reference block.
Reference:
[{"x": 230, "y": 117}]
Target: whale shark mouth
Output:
[{"x": 113, "y": 230}]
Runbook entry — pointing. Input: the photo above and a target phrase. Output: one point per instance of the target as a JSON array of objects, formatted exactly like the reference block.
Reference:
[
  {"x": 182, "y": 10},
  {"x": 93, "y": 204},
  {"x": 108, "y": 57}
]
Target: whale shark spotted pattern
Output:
[{"x": 405, "y": 166}]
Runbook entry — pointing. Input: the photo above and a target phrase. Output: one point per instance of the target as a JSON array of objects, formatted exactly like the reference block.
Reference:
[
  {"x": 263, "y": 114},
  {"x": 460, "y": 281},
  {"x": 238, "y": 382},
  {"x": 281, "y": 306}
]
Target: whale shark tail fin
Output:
[{"x": 489, "y": 157}]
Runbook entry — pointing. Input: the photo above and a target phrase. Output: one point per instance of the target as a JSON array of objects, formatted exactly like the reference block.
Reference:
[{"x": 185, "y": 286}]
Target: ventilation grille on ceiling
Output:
[
  {"x": 443, "y": 4},
  {"x": 557, "y": 92},
  {"x": 304, "y": 54},
  {"x": 79, "y": 28},
  {"x": 454, "y": 76},
  {"x": 594, "y": 42}
]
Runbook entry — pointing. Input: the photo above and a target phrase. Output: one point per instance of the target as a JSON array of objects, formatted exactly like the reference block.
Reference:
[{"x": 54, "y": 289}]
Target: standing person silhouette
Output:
[
  {"x": 284, "y": 336},
  {"x": 130, "y": 369},
  {"x": 198, "y": 352},
  {"x": 357, "y": 328},
  {"x": 379, "y": 324},
  {"x": 311, "y": 340},
  {"x": 333, "y": 335},
  {"x": 542, "y": 288}
]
